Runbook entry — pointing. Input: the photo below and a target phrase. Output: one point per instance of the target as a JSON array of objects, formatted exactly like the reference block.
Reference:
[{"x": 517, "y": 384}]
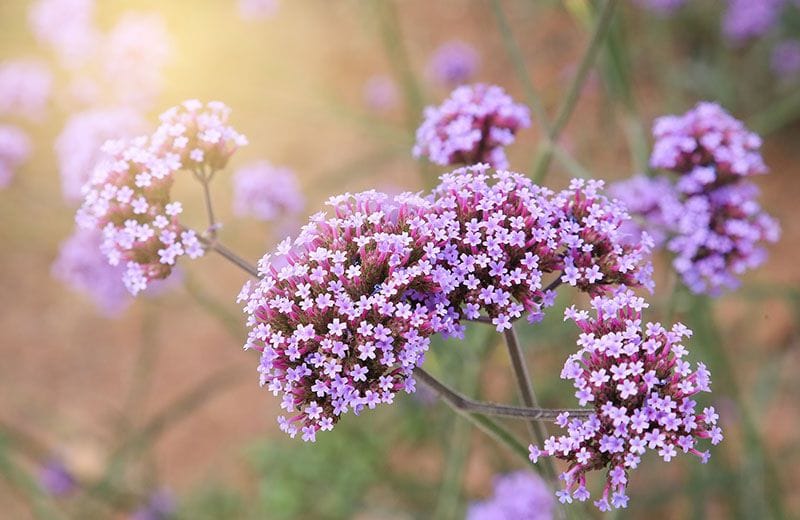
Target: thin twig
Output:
[
  {"x": 229, "y": 255},
  {"x": 463, "y": 403}
]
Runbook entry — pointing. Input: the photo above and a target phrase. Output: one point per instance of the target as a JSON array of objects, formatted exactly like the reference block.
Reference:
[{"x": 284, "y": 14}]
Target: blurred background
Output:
[{"x": 113, "y": 408}]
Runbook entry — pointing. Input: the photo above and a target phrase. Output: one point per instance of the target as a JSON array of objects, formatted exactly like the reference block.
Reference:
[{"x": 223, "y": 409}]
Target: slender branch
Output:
[
  {"x": 229, "y": 255},
  {"x": 537, "y": 429},
  {"x": 569, "y": 101},
  {"x": 212, "y": 222},
  {"x": 465, "y": 404}
]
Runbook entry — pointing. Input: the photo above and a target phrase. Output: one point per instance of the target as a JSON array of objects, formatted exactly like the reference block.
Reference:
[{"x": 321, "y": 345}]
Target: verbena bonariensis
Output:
[
  {"x": 344, "y": 313},
  {"x": 266, "y": 192},
  {"x": 710, "y": 215},
  {"x": 25, "y": 87},
  {"x": 128, "y": 196},
  {"x": 453, "y": 63},
  {"x": 641, "y": 388},
  {"x": 15, "y": 147},
  {"x": 471, "y": 126},
  {"x": 502, "y": 236},
  {"x": 521, "y": 495}
]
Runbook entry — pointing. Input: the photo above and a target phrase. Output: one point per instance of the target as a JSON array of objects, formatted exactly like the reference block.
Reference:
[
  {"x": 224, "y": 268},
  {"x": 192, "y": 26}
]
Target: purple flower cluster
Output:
[
  {"x": 199, "y": 135},
  {"x": 128, "y": 196},
  {"x": 78, "y": 146},
  {"x": 641, "y": 388},
  {"x": 453, "y": 63},
  {"x": 56, "y": 480},
  {"x": 654, "y": 204},
  {"x": 344, "y": 313},
  {"x": 717, "y": 225},
  {"x": 81, "y": 265},
  {"x": 521, "y": 495},
  {"x": 472, "y": 126},
  {"x": 66, "y": 26},
  {"x": 25, "y": 87},
  {"x": 15, "y": 147},
  {"x": 786, "y": 59},
  {"x": 746, "y": 19},
  {"x": 507, "y": 236},
  {"x": 266, "y": 192}
]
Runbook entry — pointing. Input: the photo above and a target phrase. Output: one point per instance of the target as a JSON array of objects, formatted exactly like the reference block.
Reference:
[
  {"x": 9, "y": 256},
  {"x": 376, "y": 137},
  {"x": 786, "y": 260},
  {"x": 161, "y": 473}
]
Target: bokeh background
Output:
[{"x": 159, "y": 402}]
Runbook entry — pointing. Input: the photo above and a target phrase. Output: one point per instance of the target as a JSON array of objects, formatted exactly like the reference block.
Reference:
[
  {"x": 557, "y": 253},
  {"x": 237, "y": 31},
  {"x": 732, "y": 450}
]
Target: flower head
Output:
[
  {"x": 453, "y": 63},
  {"x": 472, "y": 126},
  {"x": 746, "y": 19},
  {"x": 266, "y": 192},
  {"x": 199, "y": 135},
  {"x": 15, "y": 147},
  {"x": 786, "y": 59},
  {"x": 504, "y": 240},
  {"x": 344, "y": 313},
  {"x": 67, "y": 26},
  {"x": 654, "y": 204},
  {"x": 56, "y": 480},
  {"x": 25, "y": 87},
  {"x": 641, "y": 388},
  {"x": 521, "y": 495}
]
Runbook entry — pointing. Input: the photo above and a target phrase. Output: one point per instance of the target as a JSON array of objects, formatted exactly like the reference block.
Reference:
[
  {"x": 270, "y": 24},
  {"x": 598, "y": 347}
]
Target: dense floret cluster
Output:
[
  {"x": 345, "y": 312},
  {"x": 641, "y": 388},
  {"x": 472, "y": 126}
]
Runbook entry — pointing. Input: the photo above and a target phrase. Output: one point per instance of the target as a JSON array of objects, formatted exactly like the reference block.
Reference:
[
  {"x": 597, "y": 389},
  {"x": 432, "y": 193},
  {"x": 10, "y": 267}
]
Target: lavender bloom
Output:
[
  {"x": 380, "y": 93},
  {"x": 199, "y": 135},
  {"x": 653, "y": 202},
  {"x": 344, "y": 313},
  {"x": 133, "y": 55},
  {"x": 266, "y": 192},
  {"x": 719, "y": 224},
  {"x": 641, "y": 389},
  {"x": 510, "y": 235},
  {"x": 257, "y": 9},
  {"x": 67, "y": 27},
  {"x": 472, "y": 126},
  {"x": 15, "y": 147},
  {"x": 521, "y": 495},
  {"x": 708, "y": 146},
  {"x": 717, "y": 238},
  {"x": 160, "y": 506},
  {"x": 786, "y": 59},
  {"x": 78, "y": 146},
  {"x": 82, "y": 265},
  {"x": 662, "y": 7},
  {"x": 56, "y": 480},
  {"x": 746, "y": 19},
  {"x": 453, "y": 63},
  {"x": 24, "y": 88}
]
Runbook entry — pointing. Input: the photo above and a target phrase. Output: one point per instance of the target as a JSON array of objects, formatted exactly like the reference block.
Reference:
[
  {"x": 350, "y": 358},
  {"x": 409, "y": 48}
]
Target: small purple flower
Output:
[
  {"x": 453, "y": 63},
  {"x": 472, "y": 126},
  {"x": 380, "y": 93},
  {"x": 15, "y": 147},
  {"x": 56, "y": 480},
  {"x": 67, "y": 26},
  {"x": 521, "y": 495},
  {"x": 25, "y": 87},
  {"x": 641, "y": 413},
  {"x": 746, "y": 19},
  {"x": 786, "y": 59},
  {"x": 266, "y": 192},
  {"x": 653, "y": 202}
]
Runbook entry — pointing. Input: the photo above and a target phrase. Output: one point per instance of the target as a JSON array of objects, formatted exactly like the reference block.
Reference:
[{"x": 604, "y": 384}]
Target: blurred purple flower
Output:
[
  {"x": 82, "y": 266},
  {"x": 746, "y": 19},
  {"x": 134, "y": 54},
  {"x": 160, "y": 506},
  {"x": 25, "y": 87},
  {"x": 67, "y": 26},
  {"x": 257, "y": 9},
  {"x": 786, "y": 59},
  {"x": 662, "y": 7},
  {"x": 266, "y": 192},
  {"x": 472, "y": 126},
  {"x": 653, "y": 202},
  {"x": 15, "y": 147},
  {"x": 380, "y": 93},
  {"x": 521, "y": 495},
  {"x": 453, "y": 63},
  {"x": 56, "y": 480},
  {"x": 78, "y": 147}
]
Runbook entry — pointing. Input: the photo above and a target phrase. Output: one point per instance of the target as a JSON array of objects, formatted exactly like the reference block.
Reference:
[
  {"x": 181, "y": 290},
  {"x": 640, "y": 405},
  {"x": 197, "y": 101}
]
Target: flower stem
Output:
[
  {"x": 537, "y": 429},
  {"x": 229, "y": 255},
  {"x": 569, "y": 101}
]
